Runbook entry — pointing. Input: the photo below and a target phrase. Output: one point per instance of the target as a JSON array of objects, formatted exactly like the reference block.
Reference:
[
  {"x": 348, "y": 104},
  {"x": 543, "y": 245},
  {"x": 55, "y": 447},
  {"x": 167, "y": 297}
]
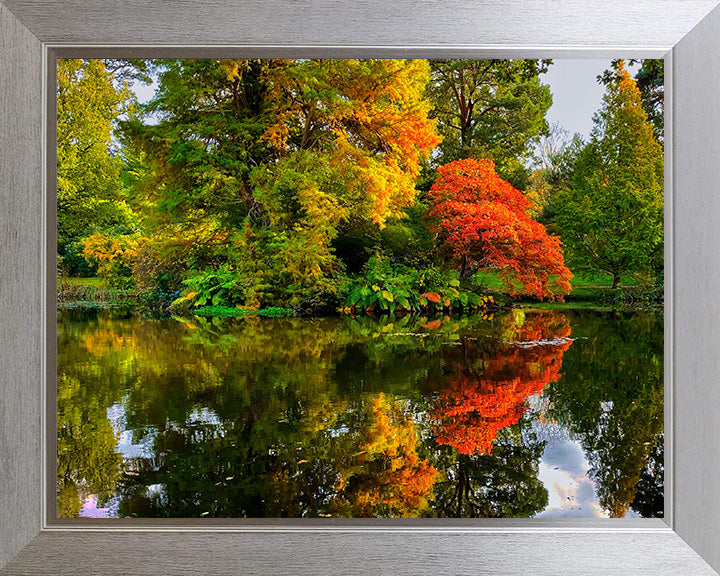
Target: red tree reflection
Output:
[{"x": 476, "y": 403}]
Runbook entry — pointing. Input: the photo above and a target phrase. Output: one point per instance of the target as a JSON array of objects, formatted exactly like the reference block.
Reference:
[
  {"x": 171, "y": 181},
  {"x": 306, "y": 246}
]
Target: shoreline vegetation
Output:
[{"x": 587, "y": 292}]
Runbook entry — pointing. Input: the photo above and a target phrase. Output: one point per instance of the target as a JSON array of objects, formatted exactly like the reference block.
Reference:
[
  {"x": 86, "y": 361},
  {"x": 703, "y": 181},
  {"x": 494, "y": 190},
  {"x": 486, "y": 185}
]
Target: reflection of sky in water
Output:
[
  {"x": 90, "y": 507},
  {"x": 144, "y": 449},
  {"x": 151, "y": 439},
  {"x": 563, "y": 467},
  {"x": 563, "y": 470},
  {"x": 125, "y": 445}
]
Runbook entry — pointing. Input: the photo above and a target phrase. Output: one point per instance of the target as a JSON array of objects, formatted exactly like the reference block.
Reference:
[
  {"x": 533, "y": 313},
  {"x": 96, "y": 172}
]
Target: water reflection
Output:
[{"x": 363, "y": 417}]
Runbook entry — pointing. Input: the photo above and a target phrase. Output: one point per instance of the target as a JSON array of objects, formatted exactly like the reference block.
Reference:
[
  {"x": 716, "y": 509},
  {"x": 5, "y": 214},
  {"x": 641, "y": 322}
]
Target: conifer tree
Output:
[{"x": 611, "y": 218}]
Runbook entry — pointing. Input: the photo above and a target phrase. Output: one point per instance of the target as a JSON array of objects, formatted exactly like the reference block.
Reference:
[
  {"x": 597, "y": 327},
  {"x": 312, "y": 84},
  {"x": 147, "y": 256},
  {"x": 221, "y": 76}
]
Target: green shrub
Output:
[
  {"x": 73, "y": 263},
  {"x": 226, "y": 312},
  {"x": 387, "y": 287},
  {"x": 219, "y": 287}
]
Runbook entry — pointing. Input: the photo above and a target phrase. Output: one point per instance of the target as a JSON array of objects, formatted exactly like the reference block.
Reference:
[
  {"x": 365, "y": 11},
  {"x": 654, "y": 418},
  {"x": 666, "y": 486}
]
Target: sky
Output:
[
  {"x": 577, "y": 95},
  {"x": 573, "y": 82}
]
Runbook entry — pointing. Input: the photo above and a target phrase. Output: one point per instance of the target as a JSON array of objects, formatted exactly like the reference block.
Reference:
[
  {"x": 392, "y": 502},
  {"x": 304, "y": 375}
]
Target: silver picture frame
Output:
[{"x": 685, "y": 32}]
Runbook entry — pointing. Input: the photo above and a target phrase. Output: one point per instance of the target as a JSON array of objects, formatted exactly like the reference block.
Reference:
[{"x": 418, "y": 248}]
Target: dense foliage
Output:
[
  {"x": 283, "y": 183},
  {"x": 374, "y": 185},
  {"x": 400, "y": 193},
  {"x": 485, "y": 224},
  {"x": 89, "y": 194}
]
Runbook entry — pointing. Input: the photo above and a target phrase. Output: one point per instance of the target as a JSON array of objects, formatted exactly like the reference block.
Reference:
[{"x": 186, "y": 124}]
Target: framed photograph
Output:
[{"x": 383, "y": 428}]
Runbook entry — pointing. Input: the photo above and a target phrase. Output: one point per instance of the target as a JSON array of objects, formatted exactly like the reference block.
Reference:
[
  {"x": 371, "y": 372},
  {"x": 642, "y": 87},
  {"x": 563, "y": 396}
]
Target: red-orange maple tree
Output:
[
  {"x": 486, "y": 224},
  {"x": 471, "y": 410}
]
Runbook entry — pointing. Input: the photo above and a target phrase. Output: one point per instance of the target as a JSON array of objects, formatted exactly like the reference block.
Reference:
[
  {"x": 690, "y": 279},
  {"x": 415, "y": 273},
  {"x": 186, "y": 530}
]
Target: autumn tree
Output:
[
  {"x": 490, "y": 109},
  {"x": 484, "y": 223},
  {"x": 611, "y": 218},
  {"x": 258, "y": 161},
  {"x": 113, "y": 256},
  {"x": 392, "y": 480},
  {"x": 650, "y": 79}
]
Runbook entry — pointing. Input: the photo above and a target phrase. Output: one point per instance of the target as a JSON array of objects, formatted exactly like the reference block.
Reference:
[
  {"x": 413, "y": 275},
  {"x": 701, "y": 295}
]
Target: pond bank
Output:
[{"x": 91, "y": 293}]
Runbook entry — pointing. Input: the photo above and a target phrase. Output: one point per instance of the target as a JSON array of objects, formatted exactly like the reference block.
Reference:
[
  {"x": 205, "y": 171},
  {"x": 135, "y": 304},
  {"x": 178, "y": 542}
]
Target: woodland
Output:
[
  {"x": 312, "y": 187},
  {"x": 357, "y": 288}
]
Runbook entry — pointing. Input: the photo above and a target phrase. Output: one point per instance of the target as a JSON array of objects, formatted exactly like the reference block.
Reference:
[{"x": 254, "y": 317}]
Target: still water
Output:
[{"x": 525, "y": 414}]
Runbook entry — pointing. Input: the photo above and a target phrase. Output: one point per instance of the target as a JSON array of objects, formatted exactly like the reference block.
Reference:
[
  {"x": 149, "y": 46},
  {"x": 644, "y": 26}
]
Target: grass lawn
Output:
[
  {"x": 584, "y": 286},
  {"x": 581, "y": 280},
  {"x": 73, "y": 281}
]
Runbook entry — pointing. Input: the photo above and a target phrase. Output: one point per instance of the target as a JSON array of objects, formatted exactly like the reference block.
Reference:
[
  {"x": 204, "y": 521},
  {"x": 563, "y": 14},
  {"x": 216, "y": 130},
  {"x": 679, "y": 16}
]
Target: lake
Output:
[{"x": 526, "y": 413}]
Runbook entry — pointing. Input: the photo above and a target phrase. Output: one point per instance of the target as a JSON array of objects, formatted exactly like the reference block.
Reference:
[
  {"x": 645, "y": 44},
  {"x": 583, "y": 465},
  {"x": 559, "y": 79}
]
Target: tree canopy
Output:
[
  {"x": 490, "y": 109},
  {"x": 89, "y": 194},
  {"x": 485, "y": 224}
]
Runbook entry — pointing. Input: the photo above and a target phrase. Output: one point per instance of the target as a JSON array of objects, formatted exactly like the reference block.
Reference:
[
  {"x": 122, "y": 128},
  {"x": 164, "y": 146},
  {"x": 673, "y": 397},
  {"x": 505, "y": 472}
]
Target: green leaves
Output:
[
  {"x": 490, "y": 109},
  {"x": 89, "y": 195},
  {"x": 221, "y": 287},
  {"x": 389, "y": 287}
]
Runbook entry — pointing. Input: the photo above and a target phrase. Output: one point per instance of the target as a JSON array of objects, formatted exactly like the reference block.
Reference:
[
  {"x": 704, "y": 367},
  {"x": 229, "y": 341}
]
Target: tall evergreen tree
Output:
[{"x": 611, "y": 218}]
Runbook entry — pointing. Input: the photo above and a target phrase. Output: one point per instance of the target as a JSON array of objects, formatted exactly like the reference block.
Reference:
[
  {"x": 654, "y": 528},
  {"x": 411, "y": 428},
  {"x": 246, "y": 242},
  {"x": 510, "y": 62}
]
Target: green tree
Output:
[
  {"x": 611, "y": 218},
  {"x": 554, "y": 170},
  {"x": 649, "y": 499},
  {"x": 613, "y": 405},
  {"x": 490, "y": 109},
  {"x": 88, "y": 186},
  {"x": 503, "y": 484}
]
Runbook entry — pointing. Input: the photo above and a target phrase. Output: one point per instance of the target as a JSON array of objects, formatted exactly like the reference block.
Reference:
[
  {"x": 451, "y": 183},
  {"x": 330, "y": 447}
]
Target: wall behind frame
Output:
[
  {"x": 696, "y": 184},
  {"x": 20, "y": 283}
]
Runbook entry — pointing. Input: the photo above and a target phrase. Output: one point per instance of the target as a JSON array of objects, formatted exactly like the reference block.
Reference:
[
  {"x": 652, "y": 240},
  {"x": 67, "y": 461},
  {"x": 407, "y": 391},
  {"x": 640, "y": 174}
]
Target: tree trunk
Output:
[{"x": 616, "y": 280}]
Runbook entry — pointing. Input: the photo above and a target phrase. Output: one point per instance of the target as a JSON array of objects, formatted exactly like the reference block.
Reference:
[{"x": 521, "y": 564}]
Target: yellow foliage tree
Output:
[{"x": 113, "y": 255}]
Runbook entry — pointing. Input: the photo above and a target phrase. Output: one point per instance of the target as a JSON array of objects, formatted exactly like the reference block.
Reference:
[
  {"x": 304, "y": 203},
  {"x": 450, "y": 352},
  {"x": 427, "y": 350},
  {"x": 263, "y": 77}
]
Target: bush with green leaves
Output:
[
  {"x": 384, "y": 286},
  {"x": 226, "y": 312},
  {"x": 73, "y": 263},
  {"x": 220, "y": 287}
]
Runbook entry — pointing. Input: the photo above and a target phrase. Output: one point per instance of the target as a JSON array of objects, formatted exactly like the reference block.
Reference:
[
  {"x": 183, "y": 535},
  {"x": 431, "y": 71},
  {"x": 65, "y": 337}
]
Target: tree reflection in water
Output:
[{"x": 342, "y": 417}]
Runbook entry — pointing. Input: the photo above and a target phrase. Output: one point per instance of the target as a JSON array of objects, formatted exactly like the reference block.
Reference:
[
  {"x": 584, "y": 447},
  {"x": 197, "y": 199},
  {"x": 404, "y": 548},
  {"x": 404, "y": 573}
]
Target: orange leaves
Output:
[
  {"x": 485, "y": 223},
  {"x": 369, "y": 116},
  {"x": 111, "y": 253},
  {"x": 472, "y": 408},
  {"x": 432, "y": 297},
  {"x": 403, "y": 482}
]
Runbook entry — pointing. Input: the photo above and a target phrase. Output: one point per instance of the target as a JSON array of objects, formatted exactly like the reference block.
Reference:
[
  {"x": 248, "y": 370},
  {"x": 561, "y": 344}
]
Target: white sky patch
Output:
[
  {"x": 90, "y": 508},
  {"x": 144, "y": 92},
  {"x": 577, "y": 94},
  {"x": 563, "y": 470},
  {"x": 125, "y": 445}
]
